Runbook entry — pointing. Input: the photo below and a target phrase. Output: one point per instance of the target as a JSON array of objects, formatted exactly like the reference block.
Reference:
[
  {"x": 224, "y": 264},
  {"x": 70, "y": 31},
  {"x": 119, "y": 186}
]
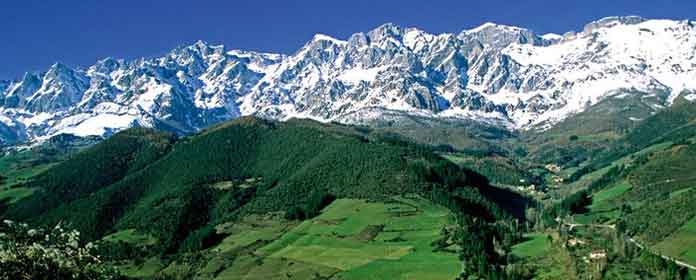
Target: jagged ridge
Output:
[{"x": 502, "y": 75}]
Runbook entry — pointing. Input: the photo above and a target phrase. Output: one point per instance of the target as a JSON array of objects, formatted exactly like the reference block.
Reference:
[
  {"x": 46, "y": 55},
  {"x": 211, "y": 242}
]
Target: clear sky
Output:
[{"x": 36, "y": 33}]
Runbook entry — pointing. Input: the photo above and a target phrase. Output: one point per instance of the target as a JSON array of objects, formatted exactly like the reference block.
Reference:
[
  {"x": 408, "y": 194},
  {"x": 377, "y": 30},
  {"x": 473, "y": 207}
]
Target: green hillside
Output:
[
  {"x": 162, "y": 200},
  {"x": 259, "y": 199},
  {"x": 18, "y": 165}
]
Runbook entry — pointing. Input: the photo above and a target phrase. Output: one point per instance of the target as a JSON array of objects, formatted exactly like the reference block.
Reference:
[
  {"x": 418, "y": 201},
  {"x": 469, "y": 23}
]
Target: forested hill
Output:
[{"x": 178, "y": 190}]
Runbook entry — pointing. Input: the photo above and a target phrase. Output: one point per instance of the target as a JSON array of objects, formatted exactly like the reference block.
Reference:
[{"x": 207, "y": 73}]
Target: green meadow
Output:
[
  {"x": 536, "y": 245},
  {"x": 682, "y": 243},
  {"x": 358, "y": 239}
]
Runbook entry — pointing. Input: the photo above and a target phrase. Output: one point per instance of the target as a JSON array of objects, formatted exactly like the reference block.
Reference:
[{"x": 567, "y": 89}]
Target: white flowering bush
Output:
[{"x": 27, "y": 253}]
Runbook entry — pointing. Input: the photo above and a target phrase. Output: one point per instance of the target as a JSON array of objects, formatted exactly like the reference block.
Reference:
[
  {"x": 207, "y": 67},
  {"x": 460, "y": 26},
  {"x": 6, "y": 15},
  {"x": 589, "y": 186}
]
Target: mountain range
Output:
[{"x": 499, "y": 75}]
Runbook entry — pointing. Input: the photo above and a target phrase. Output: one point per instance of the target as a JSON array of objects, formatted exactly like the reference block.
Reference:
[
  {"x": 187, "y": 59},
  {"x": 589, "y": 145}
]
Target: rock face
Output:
[{"x": 502, "y": 75}]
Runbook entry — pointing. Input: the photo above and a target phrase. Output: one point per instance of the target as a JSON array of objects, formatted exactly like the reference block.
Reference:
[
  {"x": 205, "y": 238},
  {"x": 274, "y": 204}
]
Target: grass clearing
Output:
[
  {"x": 682, "y": 243},
  {"x": 132, "y": 237},
  {"x": 17, "y": 168},
  {"x": 252, "y": 229},
  {"x": 146, "y": 269},
  {"x": 588, "y": 178},
  {"x": 249, "y": 267},
  {"x": 679, "y": 192},
  {"x": 235, "y": 257},
  {"x": 536, "y": 245},
  {"x": 8, "y": 189},
  {"x": 15, "y": 194},
  {"x": 547, "y": 261},
  {"x": 601, "y": 199},
  {"x": 397, "y": 246}
]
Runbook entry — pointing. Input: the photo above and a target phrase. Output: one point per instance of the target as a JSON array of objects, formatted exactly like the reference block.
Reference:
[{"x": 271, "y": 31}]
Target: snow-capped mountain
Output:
[{"x": 503, "y": 75}]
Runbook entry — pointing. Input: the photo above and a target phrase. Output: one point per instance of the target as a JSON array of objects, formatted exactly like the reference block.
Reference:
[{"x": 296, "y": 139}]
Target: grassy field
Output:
[
  {"x": 588, "y": 178},
  {"x": 536, "y": 245},
  {"x": 130, "y": 236},
  {"x": 251, "y": 267},
  {"x": 601, "y": 199},
  {"x": 252, "y": 229},
  {"x": 146, "y": 269},
  {"x": 356, "y": 239},
  {"x": 136, "y": 269},
  {"x": 13, "y": 195},
  {"x": 679, "y": 192},
  {"x": 17, "y": 168},
  {"x": 681, "y": 244},
  {"x": 603, "y": 209},
  {"x": 546, "y": 260},
  {"x": 350, "y": 239}
]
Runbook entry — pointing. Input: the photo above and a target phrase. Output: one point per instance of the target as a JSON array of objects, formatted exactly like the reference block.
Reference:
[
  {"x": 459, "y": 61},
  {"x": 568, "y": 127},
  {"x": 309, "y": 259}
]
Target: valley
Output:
[{"x": 244, "y": 211}]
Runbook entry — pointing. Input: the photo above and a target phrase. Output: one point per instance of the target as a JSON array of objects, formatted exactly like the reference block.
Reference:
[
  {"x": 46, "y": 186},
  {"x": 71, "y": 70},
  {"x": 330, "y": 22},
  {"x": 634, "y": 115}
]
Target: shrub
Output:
[{"x": 27, "y": 253}]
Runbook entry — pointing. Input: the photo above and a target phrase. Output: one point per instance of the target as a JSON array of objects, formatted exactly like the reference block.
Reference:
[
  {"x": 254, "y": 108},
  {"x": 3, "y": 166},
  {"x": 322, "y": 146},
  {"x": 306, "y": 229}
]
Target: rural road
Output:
[{"x": 633, "y": 241}]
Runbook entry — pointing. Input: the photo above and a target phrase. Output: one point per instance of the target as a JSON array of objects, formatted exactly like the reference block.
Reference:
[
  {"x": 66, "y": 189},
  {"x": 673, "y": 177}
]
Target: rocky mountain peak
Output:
[
  {"x": 385, "y": 32},
  {"x": 498, "y": 36},
  {"x": 612, "y": 21},
  {"x": 502, "y": 75}
]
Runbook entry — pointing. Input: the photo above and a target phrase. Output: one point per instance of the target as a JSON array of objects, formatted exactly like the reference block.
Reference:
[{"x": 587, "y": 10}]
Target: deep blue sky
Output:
[{"x": 36, "y": 33}]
